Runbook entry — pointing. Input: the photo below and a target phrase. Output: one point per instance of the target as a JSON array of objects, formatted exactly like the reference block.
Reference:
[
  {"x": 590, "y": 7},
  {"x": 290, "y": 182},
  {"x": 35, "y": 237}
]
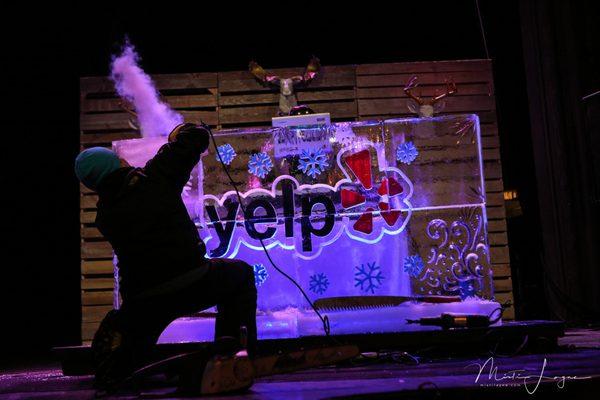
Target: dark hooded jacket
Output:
[{"x": 141, "y": 213}]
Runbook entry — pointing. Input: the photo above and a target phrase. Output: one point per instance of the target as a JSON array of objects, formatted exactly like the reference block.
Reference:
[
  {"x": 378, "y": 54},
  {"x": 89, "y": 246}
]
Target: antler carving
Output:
[
  {"x": 287, "y": 97},
  {"x": 426, "y": 105}
]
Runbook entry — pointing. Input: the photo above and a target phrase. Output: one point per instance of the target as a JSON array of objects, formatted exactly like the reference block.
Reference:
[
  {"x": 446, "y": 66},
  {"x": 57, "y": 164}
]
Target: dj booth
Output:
[{"x": 376, "y": 203}]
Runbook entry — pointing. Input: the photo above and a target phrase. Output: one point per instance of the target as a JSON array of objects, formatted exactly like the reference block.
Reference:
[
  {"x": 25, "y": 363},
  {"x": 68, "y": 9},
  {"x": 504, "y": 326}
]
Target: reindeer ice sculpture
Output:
[
  {"x": 287, "y": 96},
  {"x": 426, "y": 107}
]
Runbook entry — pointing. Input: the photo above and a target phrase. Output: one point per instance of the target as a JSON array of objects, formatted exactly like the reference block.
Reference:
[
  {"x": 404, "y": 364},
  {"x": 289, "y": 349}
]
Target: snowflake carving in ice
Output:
[
  {"x": 312, "y": 163},
  {"x": 413, "y": 265},
  {"x": 260, "y": 274},
  {"x": 226, "y": 153},
  {"x": 406, "y": 152},
  {"x": 368, "y": 276},
  {"x": 260, "y": 164},
  {"x": 318, "y": 283}
]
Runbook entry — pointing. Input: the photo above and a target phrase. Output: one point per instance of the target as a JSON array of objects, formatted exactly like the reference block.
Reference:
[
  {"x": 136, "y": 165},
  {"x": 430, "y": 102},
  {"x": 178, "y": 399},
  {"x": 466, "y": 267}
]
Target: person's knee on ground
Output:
[{"x": 237, "y": 308}]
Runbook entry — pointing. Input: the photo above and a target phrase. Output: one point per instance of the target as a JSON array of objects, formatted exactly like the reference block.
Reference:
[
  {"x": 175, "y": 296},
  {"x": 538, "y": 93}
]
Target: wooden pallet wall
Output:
[{"x": 236, "y": 99}]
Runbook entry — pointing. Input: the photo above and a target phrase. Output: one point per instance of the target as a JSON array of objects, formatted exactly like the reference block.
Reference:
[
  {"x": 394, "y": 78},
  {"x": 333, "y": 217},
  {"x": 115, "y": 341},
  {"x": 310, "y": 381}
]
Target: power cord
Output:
[
  {"x": 485, "y": 46},
  {"x": 324, "y": 319}
]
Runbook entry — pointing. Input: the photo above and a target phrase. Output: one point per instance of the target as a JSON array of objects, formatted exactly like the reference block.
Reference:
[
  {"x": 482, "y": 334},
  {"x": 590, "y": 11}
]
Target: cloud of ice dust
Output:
[{"x": 134, "y": 85}]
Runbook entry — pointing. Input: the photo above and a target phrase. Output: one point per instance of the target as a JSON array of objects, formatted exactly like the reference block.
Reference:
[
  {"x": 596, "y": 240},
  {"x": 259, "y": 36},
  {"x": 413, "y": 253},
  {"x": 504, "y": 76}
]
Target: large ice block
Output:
[{"x": 393, "y": 207}]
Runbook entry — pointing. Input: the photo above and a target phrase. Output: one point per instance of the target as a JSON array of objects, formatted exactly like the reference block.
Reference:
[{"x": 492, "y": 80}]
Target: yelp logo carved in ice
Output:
[{"x": 371, "y": 201}]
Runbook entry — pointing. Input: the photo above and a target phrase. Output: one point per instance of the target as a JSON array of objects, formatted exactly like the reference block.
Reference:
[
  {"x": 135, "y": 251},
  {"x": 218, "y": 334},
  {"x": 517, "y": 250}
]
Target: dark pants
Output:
[{"x": 228, "y": 284}]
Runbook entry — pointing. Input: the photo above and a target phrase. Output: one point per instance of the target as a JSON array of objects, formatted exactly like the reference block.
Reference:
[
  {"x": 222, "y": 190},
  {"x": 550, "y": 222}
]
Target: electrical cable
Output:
[
  {"x": 487, "y": 53},
  {"x": 324, "y": 319}
]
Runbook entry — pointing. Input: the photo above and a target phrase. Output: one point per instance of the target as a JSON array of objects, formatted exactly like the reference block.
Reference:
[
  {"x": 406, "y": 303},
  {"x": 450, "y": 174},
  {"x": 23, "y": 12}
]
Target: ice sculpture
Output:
[{"x": 393, "y": 207}]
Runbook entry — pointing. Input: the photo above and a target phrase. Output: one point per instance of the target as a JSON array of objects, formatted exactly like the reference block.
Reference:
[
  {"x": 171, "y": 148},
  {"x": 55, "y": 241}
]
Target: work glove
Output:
[{"x": 187, "y": 127}]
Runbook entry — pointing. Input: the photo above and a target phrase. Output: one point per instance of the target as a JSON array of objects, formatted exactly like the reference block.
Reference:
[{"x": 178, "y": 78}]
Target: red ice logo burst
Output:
[{"x": 360, "y": 164}]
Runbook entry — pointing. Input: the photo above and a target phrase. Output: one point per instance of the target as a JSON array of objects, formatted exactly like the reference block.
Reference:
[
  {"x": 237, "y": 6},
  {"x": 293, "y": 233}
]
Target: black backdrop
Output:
[{"x": 49, "y": 49}]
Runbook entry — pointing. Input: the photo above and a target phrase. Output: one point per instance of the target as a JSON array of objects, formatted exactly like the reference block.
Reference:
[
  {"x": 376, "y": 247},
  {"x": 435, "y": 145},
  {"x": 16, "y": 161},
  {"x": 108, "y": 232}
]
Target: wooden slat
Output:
[
  {"x": 88, "y": 232},
  {"x": 501, "y": 270},
  {"x": 492, "y": 169},
  {"x": 106, "y": 138},
  {"x": 500, "y": 255},
  {"x": 100, "y": 298},
  {"x": 497, "y": 225},
  {"x": 330, "y": 76},
  {"x": 94, "y": 313},
  {"x": 95, "y": 250},
  {"x": 495, "y": 199},
  {"x": 490, "y": 154},
  {"x": 97, "y": 283},
  {"x": 84, "y": 190},
  {"x": 496, "y": 212},
  {"x": 494, "y": 185},
  {"x": 96, "y": 267},
  {"x": 466, "y": 89},
  {"x": 424, "y": 66},
  {"x": 120, "y": 121},
  {"x": 186, "y": 81},
  {"x": 178, "y": 102},
  {"x": 504, "y": 297},
  {"x": 273, "y": 98},
  {"x": 256, "y": 114},
  {"x": 497, "y": 238},
  {"x": 363, "y": 81},
  {"x": 88, "y": 201},
  {"x": 163, "y": 81},
  {"x": 502, "y": 285},
  {"x": 453, "y": 105},
  {"x": 490, "y": 142},
  {"x": 88, "y": 329},
  {"x": 87, "y": 217}
]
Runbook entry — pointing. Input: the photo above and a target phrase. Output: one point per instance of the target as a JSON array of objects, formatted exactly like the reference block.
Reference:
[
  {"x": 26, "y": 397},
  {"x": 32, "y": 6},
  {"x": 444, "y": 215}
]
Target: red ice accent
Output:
[
  {"x": 394, "y": 187},
  {"x": 383, "y": 188},
  {"x": 351, "y": 198},
  {"x": 390, "y": 217},
  {"x": 364, "y": 224},
  {"x": 360, "y": 164}
]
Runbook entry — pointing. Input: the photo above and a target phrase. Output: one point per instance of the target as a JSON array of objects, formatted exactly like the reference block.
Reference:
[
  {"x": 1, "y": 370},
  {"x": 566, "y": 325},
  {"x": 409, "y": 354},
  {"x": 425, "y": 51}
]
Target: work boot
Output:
[{"x": 112, "y": 358}]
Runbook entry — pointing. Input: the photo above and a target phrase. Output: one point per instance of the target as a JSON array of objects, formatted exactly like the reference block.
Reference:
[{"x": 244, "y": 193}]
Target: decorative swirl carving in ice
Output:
[{"x": 460, "y": 254}]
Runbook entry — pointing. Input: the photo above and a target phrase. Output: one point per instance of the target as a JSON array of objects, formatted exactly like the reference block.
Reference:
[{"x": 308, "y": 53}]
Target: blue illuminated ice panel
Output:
[{"x": 392, "y": 207}]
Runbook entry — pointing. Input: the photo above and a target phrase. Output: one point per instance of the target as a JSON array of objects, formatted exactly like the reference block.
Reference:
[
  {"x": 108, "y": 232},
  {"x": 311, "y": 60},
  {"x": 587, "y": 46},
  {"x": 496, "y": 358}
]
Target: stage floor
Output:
[{"x": 577, "y": 358}]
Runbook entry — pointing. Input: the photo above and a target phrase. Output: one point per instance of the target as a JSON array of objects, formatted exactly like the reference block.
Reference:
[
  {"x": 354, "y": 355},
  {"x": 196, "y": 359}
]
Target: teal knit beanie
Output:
[{"x": 94, "y": 164}]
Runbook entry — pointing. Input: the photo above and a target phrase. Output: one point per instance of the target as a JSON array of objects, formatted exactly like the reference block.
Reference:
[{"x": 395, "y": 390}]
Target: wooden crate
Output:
[{"x": 236, "y": 99}]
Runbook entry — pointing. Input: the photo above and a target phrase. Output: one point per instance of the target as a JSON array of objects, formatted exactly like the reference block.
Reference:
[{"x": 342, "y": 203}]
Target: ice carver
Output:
[{"x": 164, "y": 273}]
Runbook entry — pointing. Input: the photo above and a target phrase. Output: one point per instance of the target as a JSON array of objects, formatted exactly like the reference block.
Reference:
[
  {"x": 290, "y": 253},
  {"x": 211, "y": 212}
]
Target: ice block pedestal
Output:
[{"x": 393, "y": 207}]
